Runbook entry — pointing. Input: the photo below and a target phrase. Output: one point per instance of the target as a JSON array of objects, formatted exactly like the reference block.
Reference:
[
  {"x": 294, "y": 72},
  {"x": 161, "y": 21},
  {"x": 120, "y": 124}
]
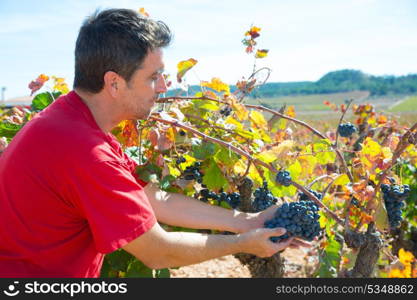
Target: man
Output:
[{"x": 68, "y": 193}]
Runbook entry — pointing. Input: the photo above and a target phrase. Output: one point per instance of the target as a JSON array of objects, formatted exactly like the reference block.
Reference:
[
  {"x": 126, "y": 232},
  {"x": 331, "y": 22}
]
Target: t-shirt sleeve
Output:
[{"x": 114, "y": 204}]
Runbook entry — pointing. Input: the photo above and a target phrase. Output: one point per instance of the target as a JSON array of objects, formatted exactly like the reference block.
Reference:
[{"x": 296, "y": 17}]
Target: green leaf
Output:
[
  {"x": 166, "y": 182},
  {"x": 330, "y": 259},
  {"x": 295, "y": 170},
  {"x": 119, "y": 260},
  {"x": 213, "y": 177},
  {"x": 138, "y": 270},
  {"x": 9, "y": 130},
  {"x": 325, "y": 158},
  {"x": 42, "y": 100},
  {"x": 266, "y": 156},
  {"x": 148, "y": 171},
  {"x": 225, "y": 156},
  {"x": 276, "y": 189},
  {"x": 204, "y": 150},
  {"x": 247, "y": 134},
  {"x": 206, "y": 105},
  {"x": 325, "y": 153},
  {"x": 162, "y": 273},
  {"x": 106, "y": 270}
]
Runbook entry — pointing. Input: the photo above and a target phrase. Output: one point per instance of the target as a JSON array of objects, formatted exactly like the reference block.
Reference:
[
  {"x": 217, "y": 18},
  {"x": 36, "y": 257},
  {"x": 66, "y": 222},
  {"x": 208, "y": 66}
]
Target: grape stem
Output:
[{"x": 318, "y": 179}]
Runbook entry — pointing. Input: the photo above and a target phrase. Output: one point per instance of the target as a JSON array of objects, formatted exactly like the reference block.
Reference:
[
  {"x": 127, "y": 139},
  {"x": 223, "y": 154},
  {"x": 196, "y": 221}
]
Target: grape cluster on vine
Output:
[
  {"x": 233, "y": 199},
  {"x": 394, "y": 196},
  {"x": 284, "y": 178},
  {"x": 226, "y": 111},
  {"x": 300, "y": 219},
  {"x": 346, "y": 129},
  {"x": 263, "y": 198},
  {"x": 193, "y": 172},
  {"x": 303, "y": 196},
  {"x": 181, "y": 160}
]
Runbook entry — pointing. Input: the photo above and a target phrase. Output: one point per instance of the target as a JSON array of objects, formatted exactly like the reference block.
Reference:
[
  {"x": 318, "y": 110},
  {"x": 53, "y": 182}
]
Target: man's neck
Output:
[{"x": 100, "y": 106}]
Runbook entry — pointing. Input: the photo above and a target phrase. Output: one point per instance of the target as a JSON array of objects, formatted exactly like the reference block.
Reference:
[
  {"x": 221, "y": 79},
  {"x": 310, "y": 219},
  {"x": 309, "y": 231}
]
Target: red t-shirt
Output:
[{"x": 68, "y": 195}]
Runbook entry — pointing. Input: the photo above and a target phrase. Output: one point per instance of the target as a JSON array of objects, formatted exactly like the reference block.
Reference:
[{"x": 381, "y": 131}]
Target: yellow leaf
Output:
[
  {"x": 266, "y": 156},
  {"x": 233, "y": 121},
  {"x": 308, "y": 163},
  {"x": 295, "y": 170},
  {"x": 395, "y": 273},
  {"x": 143, "y": 12},
  {"x": 405, "y": 257},
  {"x": 258, "y": 120},
  {"x": 174, "y": 171},
  {"x": 261, "y": 53},
  {"x": 253, "y": 32},
  {"x": 290, "y": 111},
  {"x": 217, "y": 85},
  {"x": 371, "y": 148},
  {"x": 341, "y": 180},
  {"x": 386, "y": 152},
  {"x": 183, "y": 67},
  {"x": 239, "y": 109},
  {"x": 60, "y": 85},
  {"x": 282, "y": 149}
]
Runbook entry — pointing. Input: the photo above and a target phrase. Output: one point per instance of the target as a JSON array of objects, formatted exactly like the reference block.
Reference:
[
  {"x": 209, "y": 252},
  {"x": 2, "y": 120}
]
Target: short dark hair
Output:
[{"x": 115, "y": 40}]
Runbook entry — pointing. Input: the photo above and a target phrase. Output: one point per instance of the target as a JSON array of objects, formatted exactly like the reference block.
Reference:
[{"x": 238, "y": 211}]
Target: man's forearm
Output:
[{"x": 179, "y": 210}]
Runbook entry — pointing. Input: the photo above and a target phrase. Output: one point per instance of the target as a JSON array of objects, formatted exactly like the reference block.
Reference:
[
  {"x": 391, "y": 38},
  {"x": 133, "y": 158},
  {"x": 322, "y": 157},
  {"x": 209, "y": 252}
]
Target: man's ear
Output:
[{"x": 112, "y": 83}]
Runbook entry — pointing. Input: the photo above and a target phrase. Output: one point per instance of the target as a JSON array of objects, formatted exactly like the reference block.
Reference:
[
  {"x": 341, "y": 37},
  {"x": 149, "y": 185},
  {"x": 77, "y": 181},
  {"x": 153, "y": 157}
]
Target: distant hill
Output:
[{"x": 334, "y": 82}]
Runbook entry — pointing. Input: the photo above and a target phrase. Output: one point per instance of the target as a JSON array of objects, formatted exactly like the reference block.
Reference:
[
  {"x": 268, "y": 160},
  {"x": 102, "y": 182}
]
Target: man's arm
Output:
[
  {"x": 180, "y": 210},
  {"x": 160, "y": 249}
]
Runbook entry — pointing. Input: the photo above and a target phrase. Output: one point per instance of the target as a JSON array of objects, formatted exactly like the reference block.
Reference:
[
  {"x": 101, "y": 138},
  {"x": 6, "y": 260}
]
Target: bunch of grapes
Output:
[
  {"x": 346, "y": 129},
  {"x": 300, "y": 219},
  {"x": 225, "y": 111},
  {"x": 303, "y": 196},
  {"x": 393, "y": 197},
  {"x": 263, "y": 198},
  {"x": 181, "y": 160},
  {"x": 193, "y": 172},
  {"x": 284, "y": 178},
  {"x": 233, "y": 199}
]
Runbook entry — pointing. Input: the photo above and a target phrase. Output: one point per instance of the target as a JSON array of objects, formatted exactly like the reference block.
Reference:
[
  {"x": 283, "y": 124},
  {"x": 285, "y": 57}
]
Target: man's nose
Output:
[{"x": 161, "y": 86}]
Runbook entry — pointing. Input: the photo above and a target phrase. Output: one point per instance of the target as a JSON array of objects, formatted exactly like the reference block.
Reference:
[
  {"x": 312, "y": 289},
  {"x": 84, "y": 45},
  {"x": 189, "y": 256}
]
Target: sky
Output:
[{"x": 306, "y": 39}]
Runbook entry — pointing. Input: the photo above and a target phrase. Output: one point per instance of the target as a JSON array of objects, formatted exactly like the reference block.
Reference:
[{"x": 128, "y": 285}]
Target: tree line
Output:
[{"x": 336, "y": 81}]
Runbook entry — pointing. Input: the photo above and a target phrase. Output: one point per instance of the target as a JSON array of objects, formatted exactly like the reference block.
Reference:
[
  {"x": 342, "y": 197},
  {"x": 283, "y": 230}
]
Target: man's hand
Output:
[
  {"x": 257, "y": 220},
  {"x": 257, "y": 241}
]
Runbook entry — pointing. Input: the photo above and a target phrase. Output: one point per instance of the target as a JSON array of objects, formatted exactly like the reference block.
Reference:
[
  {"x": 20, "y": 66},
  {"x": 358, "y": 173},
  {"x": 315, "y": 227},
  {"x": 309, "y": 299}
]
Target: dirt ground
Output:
[{"x": 298, "y": 263}]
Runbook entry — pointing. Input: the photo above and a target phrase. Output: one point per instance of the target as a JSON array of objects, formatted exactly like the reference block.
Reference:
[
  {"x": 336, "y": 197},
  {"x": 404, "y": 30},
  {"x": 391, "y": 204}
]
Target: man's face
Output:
[{"x": 144, "y": 86}]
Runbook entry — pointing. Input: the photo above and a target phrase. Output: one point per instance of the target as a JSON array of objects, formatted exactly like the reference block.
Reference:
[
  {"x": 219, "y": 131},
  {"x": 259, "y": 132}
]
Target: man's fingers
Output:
[
  {"x": 301, "y": 243},
  {"x": 277, "y": 231},
  {"x": 285, "y": 243}
]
